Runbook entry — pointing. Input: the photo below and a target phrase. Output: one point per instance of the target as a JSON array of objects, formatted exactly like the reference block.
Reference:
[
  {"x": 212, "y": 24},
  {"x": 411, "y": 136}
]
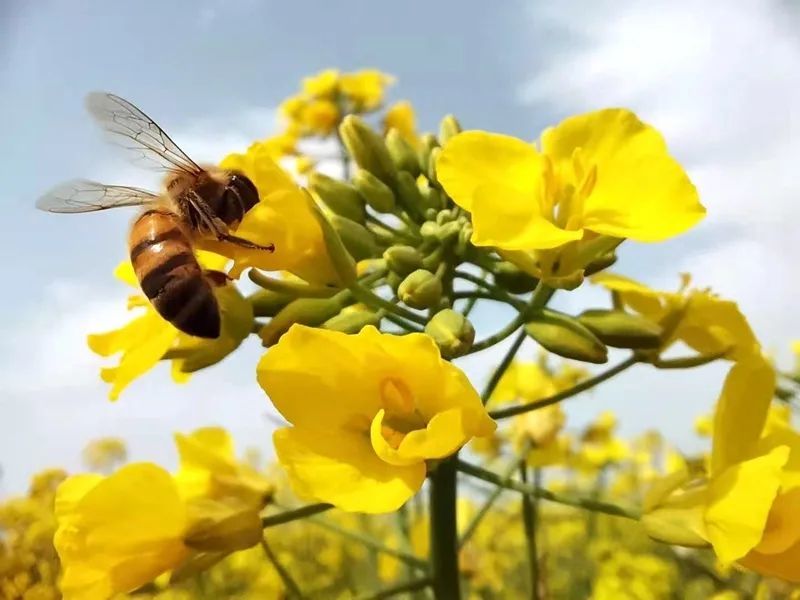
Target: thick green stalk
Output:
[
  {"x": 370, "y": 298},
  {"x": 529, "y": 522},
  {"x": 491, "y": 385},
  {"x": 292, "y": 589},
  {"x": 587, "y": 384},
  {"x": 293, "y": 515},
  {"x": 443, "y": 532},
  {"x": 615, "y": 510}
]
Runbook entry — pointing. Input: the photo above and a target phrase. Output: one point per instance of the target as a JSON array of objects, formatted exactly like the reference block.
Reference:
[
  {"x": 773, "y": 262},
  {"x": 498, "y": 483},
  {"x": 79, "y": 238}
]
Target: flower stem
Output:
[
  {"x": 511, "y": 411},
  {"x": 370, "y": 298},
  {"x": 529, "y": 510},
  {"x": 293, "y": 515},
  {"x": 292, "y": 589},
  {"x": 568, "y": 500},
  {"x": 401, "y": 588},
  {"x": 443, "y": 535},
  {"x": 292, "y": 288},
  {"x": 502, "y": 367}
]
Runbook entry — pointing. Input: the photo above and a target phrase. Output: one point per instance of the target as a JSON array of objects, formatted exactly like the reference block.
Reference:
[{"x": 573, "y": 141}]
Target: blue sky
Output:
[{"x": 720, "y": 79}]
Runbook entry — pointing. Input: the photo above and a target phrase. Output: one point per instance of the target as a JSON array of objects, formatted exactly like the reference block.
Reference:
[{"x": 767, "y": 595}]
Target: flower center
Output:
[
  {"x": 565, "y": 193},
  {"x": 401, "y": 416}
]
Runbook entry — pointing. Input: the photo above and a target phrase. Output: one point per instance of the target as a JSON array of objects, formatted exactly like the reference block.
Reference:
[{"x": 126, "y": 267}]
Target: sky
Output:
[{"x": 719, "y": 79}]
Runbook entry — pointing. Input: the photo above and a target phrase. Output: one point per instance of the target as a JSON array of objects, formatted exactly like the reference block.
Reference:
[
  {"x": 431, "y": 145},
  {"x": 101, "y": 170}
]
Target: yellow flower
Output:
[
  {"x": 400, "y": 116},
  {"x": 600, "y": 447},
  {"x": 208, "y": 468},
  {"x": 145, "y": 340},
  {"x": 540, "y": 427},
  {"x": 696, "y": 317},
  {"x": 367, "y": 411},
  {"x": 365, "y": 89},
  {"x": 748, "y": 509},
  {"x": 283, "y": 217},
  {"x": 115, "y": 534},
  {"x": 321, "y": 85},
  {"x": 600, "y": 173},
  {"x": 525, "y": 381},
  {"x": 319, "y": 117}
]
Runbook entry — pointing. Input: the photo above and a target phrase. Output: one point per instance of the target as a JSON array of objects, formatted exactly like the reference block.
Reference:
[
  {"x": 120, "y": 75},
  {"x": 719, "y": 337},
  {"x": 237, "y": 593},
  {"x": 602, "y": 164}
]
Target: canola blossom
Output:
[{"x": 421, "y": 447}]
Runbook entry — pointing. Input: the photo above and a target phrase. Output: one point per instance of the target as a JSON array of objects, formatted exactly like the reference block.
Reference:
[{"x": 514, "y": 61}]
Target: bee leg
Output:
[
  {"x": 232, "y": 239},
  {"x": 217, "y": 278}
]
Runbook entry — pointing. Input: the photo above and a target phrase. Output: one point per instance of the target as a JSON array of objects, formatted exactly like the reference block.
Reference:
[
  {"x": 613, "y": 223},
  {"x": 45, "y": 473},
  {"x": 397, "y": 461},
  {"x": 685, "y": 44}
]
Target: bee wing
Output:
[
  {"x": 82, "y": 195},
  {"x": 130, "y": 128}
]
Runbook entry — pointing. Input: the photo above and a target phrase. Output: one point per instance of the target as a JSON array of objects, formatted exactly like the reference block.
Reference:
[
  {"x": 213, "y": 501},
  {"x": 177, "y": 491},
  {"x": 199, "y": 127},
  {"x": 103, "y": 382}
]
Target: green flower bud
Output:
[
  {"x": 403, "y": 155},
  {"x": 452, "y": 332},
  {"x": 342, "y": 261},
  {"x": 448, "y": 128},
  {"x": 444, "y": 216},
  {"x": 564, "y": 335},
  {"x": 600, "y": 263},
  {"x": 449, "y": 231},
  {"x": 367, "y": 148},
  {"x": 306, "y": 311},
  {"x": 621, "y": 329},
  {"x": 464, "y": 238},
  {"x": 431, "y": 172},
  {"x": 376, "y": 194},
  {"x": 434, "y": 198},
  {"x": 429, "y": 231},
  {"x": 430, "y": 214},
  {"x": 358, "y": 240},
  {"x": 267, "y": 303},
  {"x": 409, "y": 196},
  {"x": 352, "y": 321},
  {"x": 421, "y": 289},
  {"x": 428, "y": 143},
  {"x": 510, "y": 277},
  {"x": 339, "y": 196},
  {"x": 222, "y": 527},
  {"x": 403, "y": 260},
  {"x": 394, "y": 280}
]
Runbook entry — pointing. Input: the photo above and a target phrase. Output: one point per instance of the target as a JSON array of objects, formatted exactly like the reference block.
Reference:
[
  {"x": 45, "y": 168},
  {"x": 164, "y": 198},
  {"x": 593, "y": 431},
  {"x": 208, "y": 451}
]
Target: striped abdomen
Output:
[{"x": 170, "y": 275}]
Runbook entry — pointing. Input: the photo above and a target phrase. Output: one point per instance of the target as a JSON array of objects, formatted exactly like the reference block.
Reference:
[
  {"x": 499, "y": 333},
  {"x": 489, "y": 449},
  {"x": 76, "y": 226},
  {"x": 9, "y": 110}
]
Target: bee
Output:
[{"x": 197, "y": 202}]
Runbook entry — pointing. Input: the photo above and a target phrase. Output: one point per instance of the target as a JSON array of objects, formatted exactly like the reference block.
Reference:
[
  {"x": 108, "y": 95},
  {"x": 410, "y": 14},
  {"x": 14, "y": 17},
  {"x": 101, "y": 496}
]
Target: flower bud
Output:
[
  {"x": 434, "y": 198},
  {"x": 431, "y": 172},
  {"x": 352, "y": 321},
  {"x": 565, "y": 336},
  {"x": 428, "y": 143},
  {"x": 358, "y": 240},
  {"x": 429, "y": 231},
  {"x": 403, "y": 155},
  {"x": 376, "y": 194},
  {"x": 449, "y": 231},
  {"x": 403, "y": 260},
  {"x": 620, "y": 329},
  {"x": 600, "y": 263},
  {"x": 443, "y": 216},
  {"x": 421, "y": 289},
  {"x": 222, "y": 527},
  {"x": 306, "y": 311},
  {"x": 448, "y": 128},
  {"x": 409, "y": 196},
  {"x": 367, "y": 148},
  {"x": 267, "y": 303},
  {"x": 341, "y": 260},
  {"x": 339, "y": 196},
  {"x": 513, "y": 279},
  {"x": 394, "y": 280},
  {"x": 452, "y": 332},
  {"x": 464, "y": 237}
]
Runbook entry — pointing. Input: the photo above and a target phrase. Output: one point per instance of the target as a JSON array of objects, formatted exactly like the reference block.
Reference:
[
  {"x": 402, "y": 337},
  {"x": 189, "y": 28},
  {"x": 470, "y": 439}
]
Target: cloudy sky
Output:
[{"x": 720, "y": 79}]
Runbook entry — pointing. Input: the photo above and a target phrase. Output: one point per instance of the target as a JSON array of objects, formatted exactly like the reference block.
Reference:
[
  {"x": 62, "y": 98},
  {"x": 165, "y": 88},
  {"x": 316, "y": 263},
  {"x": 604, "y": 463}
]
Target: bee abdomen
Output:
[{"x": 170, "y": 275}]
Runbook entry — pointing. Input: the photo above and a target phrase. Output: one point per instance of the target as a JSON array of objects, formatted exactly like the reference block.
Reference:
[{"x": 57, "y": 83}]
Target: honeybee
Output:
[{"x": 197, "y": 202}]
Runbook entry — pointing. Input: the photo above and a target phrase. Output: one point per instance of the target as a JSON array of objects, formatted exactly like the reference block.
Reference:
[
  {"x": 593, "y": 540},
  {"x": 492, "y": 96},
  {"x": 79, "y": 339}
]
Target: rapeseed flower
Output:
[
  {"x": 367, "y": 412},
  {"x": 603, "y": 173}
]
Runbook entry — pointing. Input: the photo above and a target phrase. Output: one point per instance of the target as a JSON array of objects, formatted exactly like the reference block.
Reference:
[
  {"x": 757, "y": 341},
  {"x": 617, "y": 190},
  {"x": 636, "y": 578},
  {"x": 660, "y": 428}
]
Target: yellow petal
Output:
[
  {"x": 506, "y": 218},
  {"x": 71, "y": 491},
  {"x": 641, "y": 192},
  {"x": 321, "y": 379},
  {"x": 124, "y": 272},
  {"x": 473, "y": 159},
  {"x": 343, "y": 469},
  {"x": 741, "y": 411},
  {"x": 207, "y": 448},
  {"x": 639, "y": 297},
  {"x": 783, "y": 564},
  {"x": 711, "y": 325},
  {"x": 739, "y": 501},
  {"x": 783, "y": 524}
]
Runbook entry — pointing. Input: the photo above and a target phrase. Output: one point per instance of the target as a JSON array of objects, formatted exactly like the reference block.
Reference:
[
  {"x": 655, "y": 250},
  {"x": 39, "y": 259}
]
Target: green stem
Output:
[
  {"x": 401, "y": 588},
  {"x": 294, "y": 515},
  {"x": 370, "y": 298},
  {"x": 471, "y": 301},
  {"x": 292, "y": 288},
  {"x": 493, "y": 290},
  {"x": 587, "y": 384},
  {"x": 371, "y": 543},
  {"x": 443, "y": 532},
  {"x": 576, "y": 501},
  {"x": 529, "y": 522},
  {"x": 491, "y": 385},
  {"x": 403, "y": 235},
  {"x": 292, "y": 589},
  {"x": 401, "y": 322},
  {"x": 483, "y": 295},
  {"x": 688, "y": 362}
]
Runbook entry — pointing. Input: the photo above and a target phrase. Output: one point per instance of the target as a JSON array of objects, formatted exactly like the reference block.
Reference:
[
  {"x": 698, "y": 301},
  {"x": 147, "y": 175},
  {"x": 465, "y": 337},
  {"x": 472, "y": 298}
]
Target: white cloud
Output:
[{"x": 720, "y": 79}]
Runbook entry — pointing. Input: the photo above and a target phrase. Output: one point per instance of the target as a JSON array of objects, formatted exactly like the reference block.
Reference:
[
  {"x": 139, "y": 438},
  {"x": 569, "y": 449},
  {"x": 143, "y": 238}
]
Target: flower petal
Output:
[
  {"x": 473, "y": 159},
  {"x": 741, "y": 411},
  {"x": 739, "y": 501},
  {"x": 783, "y": 524},
  {"x": 343, "y": 469},
  {"x": 641, "y": 192},
  {"x": 506, "y": 218}
]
